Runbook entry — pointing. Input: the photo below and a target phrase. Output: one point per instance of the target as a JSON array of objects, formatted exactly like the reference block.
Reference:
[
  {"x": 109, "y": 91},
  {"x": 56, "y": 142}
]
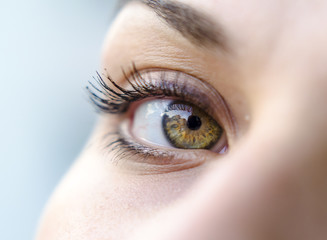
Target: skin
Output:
[{"x": 272, "y": 182}]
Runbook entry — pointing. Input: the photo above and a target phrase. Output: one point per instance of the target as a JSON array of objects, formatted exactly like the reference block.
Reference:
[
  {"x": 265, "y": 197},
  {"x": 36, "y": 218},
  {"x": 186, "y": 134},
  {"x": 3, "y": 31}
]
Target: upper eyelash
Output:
[{"x": 116, "y": 99}]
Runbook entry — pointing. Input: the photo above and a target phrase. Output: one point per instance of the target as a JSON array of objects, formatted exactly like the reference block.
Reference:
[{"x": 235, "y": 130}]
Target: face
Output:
[{"x": 213, "y": 126}]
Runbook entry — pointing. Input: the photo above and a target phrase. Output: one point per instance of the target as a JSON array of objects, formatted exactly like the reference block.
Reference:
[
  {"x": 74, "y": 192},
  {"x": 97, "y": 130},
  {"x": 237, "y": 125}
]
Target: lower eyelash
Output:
[
  {"x": 124, "y": 148},
  {"x": 149, "y": 160}
]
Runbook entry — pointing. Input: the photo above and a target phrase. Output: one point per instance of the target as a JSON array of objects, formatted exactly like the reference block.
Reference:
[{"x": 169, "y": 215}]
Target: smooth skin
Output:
[{"x": 272, "y": 184}]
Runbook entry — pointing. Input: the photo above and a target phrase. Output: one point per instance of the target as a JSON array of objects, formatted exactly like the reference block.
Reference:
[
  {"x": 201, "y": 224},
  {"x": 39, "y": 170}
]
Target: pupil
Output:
[{"x": 194, "y": 122}]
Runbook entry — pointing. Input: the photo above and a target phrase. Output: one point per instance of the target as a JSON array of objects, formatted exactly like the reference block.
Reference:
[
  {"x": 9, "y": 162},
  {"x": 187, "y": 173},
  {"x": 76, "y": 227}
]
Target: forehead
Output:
[{"x": 260, "y": 26}]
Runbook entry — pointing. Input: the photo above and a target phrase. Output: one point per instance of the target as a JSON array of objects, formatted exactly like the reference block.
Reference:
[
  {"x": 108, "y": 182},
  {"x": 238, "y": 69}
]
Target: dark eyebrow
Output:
[{"x": 192, "y": 24}]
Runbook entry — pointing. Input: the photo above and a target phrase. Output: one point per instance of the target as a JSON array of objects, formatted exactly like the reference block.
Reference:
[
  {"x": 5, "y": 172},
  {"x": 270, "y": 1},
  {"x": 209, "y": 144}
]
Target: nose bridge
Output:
[
  {"x": 288, "y": 139},
  {"x": 292, "y": 114}
]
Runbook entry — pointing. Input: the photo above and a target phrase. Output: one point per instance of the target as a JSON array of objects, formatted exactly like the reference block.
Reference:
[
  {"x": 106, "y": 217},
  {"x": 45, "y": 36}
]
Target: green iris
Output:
[{"x": 187, "y": 126}]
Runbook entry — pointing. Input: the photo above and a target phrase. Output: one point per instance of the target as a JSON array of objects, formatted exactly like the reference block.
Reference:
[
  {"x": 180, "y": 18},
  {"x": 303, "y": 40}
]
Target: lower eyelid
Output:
[{"x": 141, "y": 158}]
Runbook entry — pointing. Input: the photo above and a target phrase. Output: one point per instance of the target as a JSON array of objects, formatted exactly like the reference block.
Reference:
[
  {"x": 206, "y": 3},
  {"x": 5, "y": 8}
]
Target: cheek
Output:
[{"x": 96, "y": 200}]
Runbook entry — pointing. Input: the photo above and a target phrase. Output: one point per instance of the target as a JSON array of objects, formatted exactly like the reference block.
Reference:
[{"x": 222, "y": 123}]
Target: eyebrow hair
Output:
[{"x": 192, "y": 24}]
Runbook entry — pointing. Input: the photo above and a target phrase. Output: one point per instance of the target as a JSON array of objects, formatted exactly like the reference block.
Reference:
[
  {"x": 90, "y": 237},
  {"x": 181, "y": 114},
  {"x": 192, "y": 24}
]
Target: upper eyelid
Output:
[
  {"x": 212, "y": 102},
  {"x": 135, "y": 86}
]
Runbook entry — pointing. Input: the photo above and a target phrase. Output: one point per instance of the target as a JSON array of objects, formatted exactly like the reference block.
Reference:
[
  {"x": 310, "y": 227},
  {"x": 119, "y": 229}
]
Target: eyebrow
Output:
[{"x": 190, "y": 23}]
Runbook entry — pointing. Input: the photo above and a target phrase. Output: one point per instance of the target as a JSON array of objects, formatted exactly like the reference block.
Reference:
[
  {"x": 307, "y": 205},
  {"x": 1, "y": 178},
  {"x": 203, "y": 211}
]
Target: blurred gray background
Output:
[{"x": 49, "y": 49}]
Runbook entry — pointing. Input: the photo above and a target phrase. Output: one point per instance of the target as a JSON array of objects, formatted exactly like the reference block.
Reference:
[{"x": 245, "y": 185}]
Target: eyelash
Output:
[
  {"x": 124, "y": 148},
  {"x": 115, "y": 99},
  {"x": 118, "y": 101}
]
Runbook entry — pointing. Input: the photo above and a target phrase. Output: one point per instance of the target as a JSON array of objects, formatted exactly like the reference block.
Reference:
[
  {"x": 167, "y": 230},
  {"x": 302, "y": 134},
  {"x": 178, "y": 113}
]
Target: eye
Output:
[
  {"x": 159, "y": 110},
  {"x": 178, "y": 124}
]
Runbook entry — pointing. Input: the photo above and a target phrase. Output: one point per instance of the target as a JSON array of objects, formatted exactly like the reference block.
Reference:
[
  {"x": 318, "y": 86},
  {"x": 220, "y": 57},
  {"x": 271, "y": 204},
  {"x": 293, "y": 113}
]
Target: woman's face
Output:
[{"x": 244, "y": 81}]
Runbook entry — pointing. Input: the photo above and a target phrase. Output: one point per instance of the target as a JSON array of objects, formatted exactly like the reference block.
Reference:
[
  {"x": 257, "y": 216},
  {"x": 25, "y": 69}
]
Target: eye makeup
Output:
[{"x": 144, "y": 85}]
